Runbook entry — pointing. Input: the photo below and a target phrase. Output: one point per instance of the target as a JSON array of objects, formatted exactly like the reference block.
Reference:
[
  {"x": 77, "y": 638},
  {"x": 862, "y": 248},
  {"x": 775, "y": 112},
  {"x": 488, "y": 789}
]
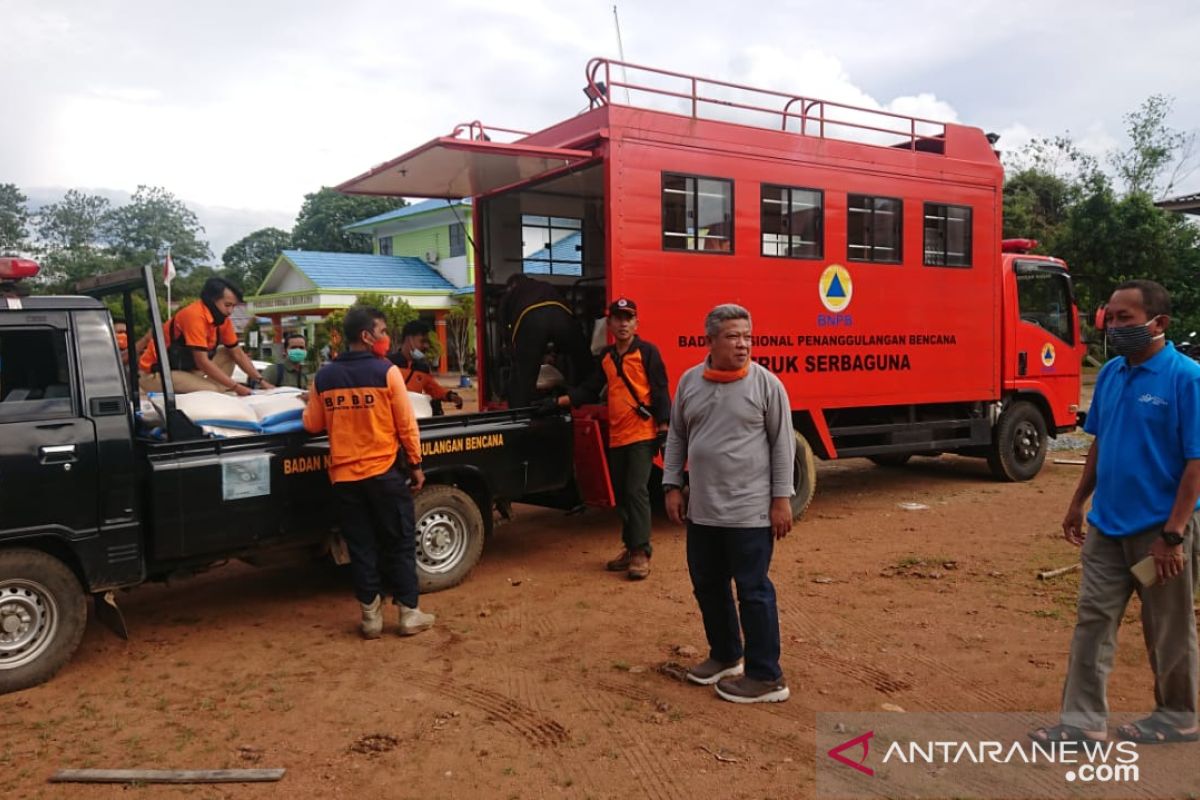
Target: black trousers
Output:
[
  {"x": 537, "y": 329},
  {"x": 379, "y": 526},
  {"x": 717, "y": 556}
]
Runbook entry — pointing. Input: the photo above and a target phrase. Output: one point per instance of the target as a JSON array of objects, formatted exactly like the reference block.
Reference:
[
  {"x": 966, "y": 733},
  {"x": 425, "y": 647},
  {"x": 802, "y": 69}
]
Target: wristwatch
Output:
[{"x": 1172, "y": 538}]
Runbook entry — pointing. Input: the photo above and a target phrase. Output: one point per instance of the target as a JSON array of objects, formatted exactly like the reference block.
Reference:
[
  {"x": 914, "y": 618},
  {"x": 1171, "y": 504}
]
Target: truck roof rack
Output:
[
  {"x": 707, "y": 98},
  {"x": 111, "y": 283}
]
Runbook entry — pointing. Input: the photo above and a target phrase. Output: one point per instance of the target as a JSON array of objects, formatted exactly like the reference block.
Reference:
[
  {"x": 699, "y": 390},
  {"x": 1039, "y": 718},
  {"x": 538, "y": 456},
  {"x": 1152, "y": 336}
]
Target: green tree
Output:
[
  {"x": 397, "y": 313},
  {"x": 79, "y": 221},
  {"x": 14, "y": 217},
  {"x": 324, "y": 214},
  {"x": 153, "y": 221},
  {"x": 1159, "y": 157},
  {"x": 248, "y": 260},
  {"x": 460, "y": 327},
  {"x": 74, "y": 235}
]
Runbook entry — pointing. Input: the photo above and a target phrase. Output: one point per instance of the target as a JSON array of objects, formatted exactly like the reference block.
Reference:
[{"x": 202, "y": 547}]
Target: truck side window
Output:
[
  {"x": 1044, "y": 299},
  {"x": 873, "y": 228},
  {"x": 35, "y": 378},
  {"x": 697, "y": 213},
  {"x": 947, "y": 235},
  {"x": 792, "y": 224}
]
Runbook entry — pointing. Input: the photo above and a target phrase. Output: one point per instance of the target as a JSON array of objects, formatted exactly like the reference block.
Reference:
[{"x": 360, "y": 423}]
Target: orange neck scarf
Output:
[{"x": 725, "y": 375}]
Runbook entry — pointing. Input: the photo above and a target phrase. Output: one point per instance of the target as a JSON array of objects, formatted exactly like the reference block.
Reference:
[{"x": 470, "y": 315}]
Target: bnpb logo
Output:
[
  {"x": 1048, "y": 354},
  {"x": 836, "y": 288}
]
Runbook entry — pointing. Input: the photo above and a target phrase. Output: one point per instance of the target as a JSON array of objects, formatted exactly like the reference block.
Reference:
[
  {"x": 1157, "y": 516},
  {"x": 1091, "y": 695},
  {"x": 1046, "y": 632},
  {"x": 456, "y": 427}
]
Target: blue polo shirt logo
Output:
[{"x": 1146, "y": 420}]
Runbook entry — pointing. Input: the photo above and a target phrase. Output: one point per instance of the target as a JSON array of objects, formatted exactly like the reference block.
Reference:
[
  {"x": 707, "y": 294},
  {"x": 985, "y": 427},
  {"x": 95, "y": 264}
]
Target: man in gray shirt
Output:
[{"x": 731, "y": 425}]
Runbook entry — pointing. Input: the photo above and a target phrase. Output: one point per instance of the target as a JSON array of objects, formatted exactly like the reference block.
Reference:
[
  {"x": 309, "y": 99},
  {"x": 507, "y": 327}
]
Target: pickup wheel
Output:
[
  {"x": 42, "y": 616},
  {"x": 1019, "y": 443},
  {"x": 804, "y": 477},
  {"x": 449, "y": 536}
]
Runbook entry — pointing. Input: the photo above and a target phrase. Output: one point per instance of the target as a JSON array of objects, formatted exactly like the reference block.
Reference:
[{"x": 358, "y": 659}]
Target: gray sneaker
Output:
[
  {"x": 710, "y": 671},
  {"x": 414, "y": 620},
  {"x": 372, "y": 618},
  {"x": 749, "y": 690}
]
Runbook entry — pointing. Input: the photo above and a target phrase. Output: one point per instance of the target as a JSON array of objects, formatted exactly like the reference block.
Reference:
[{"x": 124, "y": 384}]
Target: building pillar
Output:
[{"x": 439, "y": 324}]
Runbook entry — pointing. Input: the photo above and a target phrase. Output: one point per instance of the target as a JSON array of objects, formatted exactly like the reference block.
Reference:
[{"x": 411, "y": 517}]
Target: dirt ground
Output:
[{"x": 540, "y": 678}]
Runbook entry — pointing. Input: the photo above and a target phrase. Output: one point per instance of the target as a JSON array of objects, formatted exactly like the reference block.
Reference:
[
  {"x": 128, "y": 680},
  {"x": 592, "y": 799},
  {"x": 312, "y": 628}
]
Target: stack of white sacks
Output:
[{"x": 272, "y": 411}]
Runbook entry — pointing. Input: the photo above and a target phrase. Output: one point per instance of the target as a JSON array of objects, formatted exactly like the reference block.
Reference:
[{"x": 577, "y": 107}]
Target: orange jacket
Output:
[
  {"x": 418, "y": 377},
  {"x": 361, "y": 400},
  {"x": 643, "y": 366},
  {"x": 192, "y": 328}
]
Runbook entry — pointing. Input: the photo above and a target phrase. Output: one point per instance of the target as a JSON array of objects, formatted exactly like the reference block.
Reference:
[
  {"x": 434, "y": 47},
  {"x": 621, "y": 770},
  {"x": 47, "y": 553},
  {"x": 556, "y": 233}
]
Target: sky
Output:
[{"x": 241, "y": 108}]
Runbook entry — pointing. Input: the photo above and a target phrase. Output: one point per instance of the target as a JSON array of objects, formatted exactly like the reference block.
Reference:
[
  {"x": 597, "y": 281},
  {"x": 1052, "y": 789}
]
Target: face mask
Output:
[
  {"x": 297, "y": 355},
  {"x": 416, "y": 354},
  {"x": 381, "y": 346},
  {"x": 1131, "y": 340},
  {"x": 218, "y": 317},
  {"x": 123, "y": 341}
]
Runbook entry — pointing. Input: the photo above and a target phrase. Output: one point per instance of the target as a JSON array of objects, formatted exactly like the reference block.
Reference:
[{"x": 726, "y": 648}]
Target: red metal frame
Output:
[{"x": 700, "y": 101}]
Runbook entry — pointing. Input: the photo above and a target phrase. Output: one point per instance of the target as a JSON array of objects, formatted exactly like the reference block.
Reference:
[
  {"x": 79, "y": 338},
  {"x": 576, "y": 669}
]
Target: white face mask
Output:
[{"x": 416, "y": 354}]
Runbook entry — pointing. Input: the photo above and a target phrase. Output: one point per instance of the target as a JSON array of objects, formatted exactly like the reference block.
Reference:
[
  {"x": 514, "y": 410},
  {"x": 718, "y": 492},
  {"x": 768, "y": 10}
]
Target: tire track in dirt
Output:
[
  {"x": 804, "y": 626},
  {"x": 535, "y": 728}
]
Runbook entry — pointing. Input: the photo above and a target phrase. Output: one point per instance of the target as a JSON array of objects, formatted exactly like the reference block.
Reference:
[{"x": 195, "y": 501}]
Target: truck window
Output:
[
  {"x": 551, "y": 245},
  {"x": 873, "y": 228},
  {"x": 35, "y": 376},
  {"x": 792, "y": 222},
  {"x": 697, "y": 213},
  {"x": 947, "y": 235},
  {"x": 1044, "y": 299}
]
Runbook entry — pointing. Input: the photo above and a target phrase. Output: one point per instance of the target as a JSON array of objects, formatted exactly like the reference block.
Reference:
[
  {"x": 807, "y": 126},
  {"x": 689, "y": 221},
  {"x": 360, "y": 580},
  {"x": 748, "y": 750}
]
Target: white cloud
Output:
[{"x": 251, "y": 105}]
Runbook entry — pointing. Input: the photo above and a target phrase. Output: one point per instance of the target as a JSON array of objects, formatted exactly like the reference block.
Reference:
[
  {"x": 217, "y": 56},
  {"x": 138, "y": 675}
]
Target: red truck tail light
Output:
[{"x": 14, "y": 269}]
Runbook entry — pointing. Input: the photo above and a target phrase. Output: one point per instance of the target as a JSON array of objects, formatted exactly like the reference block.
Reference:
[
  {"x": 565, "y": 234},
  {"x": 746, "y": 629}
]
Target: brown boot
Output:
[
  {"x": 639, "y": 565},
  {"x": 620, "y": 563}
]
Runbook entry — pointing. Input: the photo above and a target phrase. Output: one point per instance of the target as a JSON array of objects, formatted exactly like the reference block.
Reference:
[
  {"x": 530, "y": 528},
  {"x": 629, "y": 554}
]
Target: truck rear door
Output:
[{"x": 48, "y": 467}]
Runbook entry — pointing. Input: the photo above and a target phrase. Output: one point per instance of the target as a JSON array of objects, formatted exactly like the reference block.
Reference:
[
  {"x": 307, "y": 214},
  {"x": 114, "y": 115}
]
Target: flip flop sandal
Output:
[
  {"x": 1062, "y": 733},
  {"x": 1152, "y": 731}
]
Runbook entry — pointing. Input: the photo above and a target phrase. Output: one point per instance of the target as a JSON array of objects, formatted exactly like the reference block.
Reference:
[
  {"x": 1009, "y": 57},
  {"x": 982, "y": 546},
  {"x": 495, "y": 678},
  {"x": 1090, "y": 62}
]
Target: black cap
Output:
[{"x": 623, "y": 305}]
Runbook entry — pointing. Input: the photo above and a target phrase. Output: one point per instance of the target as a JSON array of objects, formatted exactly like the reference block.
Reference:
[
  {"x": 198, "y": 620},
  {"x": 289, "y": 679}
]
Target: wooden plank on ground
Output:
[{"x": 167, "y": 775}]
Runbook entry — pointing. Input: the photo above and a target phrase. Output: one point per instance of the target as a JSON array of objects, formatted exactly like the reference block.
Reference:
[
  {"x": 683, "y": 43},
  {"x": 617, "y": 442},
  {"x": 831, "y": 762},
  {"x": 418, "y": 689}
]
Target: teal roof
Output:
[
  {"x": 408, "y": 211},
  {"x": 367, "y": 271}
]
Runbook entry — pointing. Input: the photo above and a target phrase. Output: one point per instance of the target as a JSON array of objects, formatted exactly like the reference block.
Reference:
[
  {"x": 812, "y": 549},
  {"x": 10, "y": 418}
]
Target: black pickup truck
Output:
[{"x": 90, "y": 502}]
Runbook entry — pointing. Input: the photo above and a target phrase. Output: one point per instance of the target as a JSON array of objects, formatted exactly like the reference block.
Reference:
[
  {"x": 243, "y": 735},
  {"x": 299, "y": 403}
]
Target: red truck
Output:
[{"x": 867, "y": 246}]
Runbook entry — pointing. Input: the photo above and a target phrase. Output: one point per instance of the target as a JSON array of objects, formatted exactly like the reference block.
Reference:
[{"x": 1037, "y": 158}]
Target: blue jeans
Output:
[{"x": 717, "y": 556}]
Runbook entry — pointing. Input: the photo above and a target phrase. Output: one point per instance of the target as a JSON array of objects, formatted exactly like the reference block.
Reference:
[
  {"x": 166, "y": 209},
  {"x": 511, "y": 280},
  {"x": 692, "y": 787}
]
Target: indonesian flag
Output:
[{"x": 168, "y": 270}]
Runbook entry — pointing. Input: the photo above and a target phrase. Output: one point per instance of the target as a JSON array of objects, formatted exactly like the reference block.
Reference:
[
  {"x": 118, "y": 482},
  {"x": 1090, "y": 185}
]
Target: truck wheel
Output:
[
  {"x": 449, "y": 536},
  {"x": 1019, "y": 443},
  {"x": 890, "y": 459},
  {"x": 42, "y": 616},
  {"x": 804, "y": 477}
]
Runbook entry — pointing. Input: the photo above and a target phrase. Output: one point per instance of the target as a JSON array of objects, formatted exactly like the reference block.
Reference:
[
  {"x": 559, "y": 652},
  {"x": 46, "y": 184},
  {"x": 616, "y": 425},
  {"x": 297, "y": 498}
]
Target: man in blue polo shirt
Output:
[{"x": 1144, "y": 467}]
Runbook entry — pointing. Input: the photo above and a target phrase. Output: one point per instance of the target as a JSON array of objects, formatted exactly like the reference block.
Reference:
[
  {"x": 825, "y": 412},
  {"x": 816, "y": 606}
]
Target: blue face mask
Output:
[
  {"x": 417, "y": 354},
  {"x": 297, "y": 355}
]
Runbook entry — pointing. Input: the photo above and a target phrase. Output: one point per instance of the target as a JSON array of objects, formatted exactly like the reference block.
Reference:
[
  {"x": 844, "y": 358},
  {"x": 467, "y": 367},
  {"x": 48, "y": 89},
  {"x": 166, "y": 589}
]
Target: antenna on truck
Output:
[{"x": 621, "y": 53}]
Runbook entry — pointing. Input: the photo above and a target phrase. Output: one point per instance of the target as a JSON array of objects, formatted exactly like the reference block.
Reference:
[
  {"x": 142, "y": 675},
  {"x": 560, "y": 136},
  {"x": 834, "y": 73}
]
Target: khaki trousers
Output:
[
  {"x": 190, "y": 381},
  {"x": 1168, "y": 626}
]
